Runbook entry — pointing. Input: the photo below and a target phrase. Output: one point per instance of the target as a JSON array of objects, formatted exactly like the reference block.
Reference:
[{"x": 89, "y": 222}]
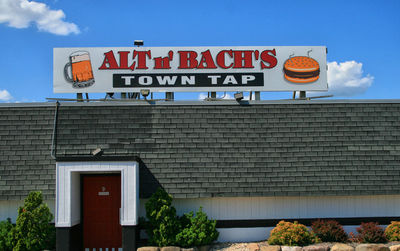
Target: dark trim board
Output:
[
  {"x": 69, "y": 238},
  {"x": 97, "y": 158},
  {"x": 130, "y": 236},
  {"x": 305, "y": 221}
]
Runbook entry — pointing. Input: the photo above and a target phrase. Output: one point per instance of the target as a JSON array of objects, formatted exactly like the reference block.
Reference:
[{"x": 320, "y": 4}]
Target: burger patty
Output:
[{"x": 295, "y": 74}]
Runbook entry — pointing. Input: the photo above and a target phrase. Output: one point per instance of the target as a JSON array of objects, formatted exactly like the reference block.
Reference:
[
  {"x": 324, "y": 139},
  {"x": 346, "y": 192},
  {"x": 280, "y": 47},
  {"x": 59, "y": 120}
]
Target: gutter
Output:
[{"x": 53, "y": 137}]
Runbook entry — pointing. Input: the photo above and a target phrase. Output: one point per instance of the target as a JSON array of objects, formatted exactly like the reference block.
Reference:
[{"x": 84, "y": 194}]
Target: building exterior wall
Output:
[
  {"x": 266, "y": 208},
  {"x": 349, "y": 209},
  {"x": 9, "y": 208},
  {"x": 243, "y": 208},
  {"x": 247, "y": 165}
]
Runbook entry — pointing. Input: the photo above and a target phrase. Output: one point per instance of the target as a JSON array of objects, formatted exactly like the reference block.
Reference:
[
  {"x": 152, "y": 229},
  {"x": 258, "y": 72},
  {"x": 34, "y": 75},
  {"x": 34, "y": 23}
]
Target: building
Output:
[{"x": 249, "y": 164}]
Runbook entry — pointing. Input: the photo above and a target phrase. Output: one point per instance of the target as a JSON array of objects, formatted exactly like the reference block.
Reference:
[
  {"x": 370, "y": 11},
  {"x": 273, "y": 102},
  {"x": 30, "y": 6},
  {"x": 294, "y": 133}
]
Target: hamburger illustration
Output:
[{"x": 301, "y": 69}]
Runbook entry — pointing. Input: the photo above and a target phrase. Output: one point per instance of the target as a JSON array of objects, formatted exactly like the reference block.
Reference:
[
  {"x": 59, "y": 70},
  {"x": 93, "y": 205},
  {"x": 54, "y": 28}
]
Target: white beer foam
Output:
[{"x": 79, "y": 58}]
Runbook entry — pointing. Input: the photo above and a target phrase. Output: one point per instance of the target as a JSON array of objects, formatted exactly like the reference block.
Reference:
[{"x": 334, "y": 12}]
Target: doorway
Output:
[{"x": 101, "y": 203}]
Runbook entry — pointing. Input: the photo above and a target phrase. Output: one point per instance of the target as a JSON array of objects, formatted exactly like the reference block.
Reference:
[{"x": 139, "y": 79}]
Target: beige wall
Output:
[
  {"x": 290, "y": 207},
  {"x": 9, "y": 209}
]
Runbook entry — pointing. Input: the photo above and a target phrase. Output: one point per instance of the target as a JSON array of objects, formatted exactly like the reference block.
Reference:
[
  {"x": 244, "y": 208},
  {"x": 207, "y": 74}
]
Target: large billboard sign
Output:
[{"x": 190, "y": 69}]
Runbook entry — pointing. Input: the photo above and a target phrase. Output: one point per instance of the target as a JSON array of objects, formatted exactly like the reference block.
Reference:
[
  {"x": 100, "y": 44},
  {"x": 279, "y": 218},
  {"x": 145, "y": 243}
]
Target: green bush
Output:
[
  {"x": 6, "y": 235},
  {"x": 291, "y": 234},
  {"x": 197, "y": 230},
  {"x": 163, "y": 225},
  {"x": 33, "y": 230},
  {"x": 165, "y": 228},
  {"x": 392, "y": 231},
  {"x": 369, "y": 232},
  {"x": 329, "y": 231}
]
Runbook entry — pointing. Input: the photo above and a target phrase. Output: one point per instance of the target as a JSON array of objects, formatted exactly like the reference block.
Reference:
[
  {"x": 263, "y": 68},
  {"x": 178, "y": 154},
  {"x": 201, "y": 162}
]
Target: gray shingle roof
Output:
[
  {"x": 25, "y": 141},
  {"x": 218, "y": 149}
]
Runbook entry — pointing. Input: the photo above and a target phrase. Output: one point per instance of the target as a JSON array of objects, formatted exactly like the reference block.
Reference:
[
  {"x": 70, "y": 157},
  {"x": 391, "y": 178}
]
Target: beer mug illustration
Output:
[{"x": 81, "y": 70}]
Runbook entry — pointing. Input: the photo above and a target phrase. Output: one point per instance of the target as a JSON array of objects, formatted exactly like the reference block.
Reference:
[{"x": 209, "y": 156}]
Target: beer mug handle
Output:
[{"x": 66, "y": 74}]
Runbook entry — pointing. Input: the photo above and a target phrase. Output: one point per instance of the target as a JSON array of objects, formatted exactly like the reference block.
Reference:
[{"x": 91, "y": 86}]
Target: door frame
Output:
[{"x": 69, "y": 199}]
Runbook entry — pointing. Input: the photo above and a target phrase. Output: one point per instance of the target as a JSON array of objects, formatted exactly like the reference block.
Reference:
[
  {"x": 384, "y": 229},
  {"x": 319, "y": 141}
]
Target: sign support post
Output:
[
  {"x": 79, "y": 97},
  {"x": 169, "y": 95}
]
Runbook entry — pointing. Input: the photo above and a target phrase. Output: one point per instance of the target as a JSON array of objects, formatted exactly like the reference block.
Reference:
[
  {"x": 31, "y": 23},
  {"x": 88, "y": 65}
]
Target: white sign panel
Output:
[{"x": 190, "y": 69}]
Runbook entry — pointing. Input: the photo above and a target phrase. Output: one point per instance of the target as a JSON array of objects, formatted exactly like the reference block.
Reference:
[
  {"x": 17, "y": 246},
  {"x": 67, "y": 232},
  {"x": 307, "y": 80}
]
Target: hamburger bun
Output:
[{"x": 301, "y": 69}]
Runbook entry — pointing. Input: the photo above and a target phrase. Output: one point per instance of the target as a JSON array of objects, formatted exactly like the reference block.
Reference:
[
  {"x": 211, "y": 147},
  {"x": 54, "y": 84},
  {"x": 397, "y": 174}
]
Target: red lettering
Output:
[
  {"x": 206, "y": 61},
  {"x": 163, "y": 62},
  {"x": 268, "y": 56},
  {"x": 187, "y": 59},
  {"x": 221, "y": 58},
  {"x": 109, "y": 62},
  {"x": 123, "y": 59},
  {"x": 141, "y": 59},
  {"x": 243, "y": 59},
  {"x": 133, "y": 65}
]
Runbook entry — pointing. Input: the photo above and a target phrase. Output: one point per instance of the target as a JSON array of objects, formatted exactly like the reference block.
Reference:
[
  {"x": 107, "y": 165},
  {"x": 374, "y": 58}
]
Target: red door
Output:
[{"x": 101, "y": 204}]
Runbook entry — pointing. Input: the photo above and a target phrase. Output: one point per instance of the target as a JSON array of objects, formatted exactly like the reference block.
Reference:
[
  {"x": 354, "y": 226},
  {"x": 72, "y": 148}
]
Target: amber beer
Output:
[{"x": 81, "y": 70}]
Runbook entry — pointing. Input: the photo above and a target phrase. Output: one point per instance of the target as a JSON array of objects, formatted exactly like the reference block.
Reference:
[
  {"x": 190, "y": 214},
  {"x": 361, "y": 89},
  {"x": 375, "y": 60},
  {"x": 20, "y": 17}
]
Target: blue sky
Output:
[{"x": 363, "y": 37}]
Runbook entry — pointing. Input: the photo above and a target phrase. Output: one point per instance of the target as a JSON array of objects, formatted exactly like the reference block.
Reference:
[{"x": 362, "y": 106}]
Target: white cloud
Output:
[
  {"x": 346, "y": 79},
  {"x": 21, "y": 13},
  {"x": 5, "y": 95},
  {"x": 247, "y": 97},
  {"x": 203, "y": 96}
]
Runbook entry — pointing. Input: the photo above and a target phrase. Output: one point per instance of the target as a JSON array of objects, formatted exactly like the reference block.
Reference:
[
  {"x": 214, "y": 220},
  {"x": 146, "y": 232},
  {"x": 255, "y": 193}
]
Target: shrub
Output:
[
  {"x": 392, "y": 231},
  {"x": 165, "y": 228},
  {"x": 163, "y": 225},
  {"x": 5, "y": 235},
  {"x": 329, "y": 231},
  {"x": 33, "y": 230},
  {"x": 197, "y": 230},
  {"x": 369, "y": 232},
  {"x": 291, "y": 234}
]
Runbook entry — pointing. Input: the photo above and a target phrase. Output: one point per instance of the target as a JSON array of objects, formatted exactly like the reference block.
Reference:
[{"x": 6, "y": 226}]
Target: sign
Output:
[
  {"x": 103, "y": 192},
  {"x": 190, "y": 69}
]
